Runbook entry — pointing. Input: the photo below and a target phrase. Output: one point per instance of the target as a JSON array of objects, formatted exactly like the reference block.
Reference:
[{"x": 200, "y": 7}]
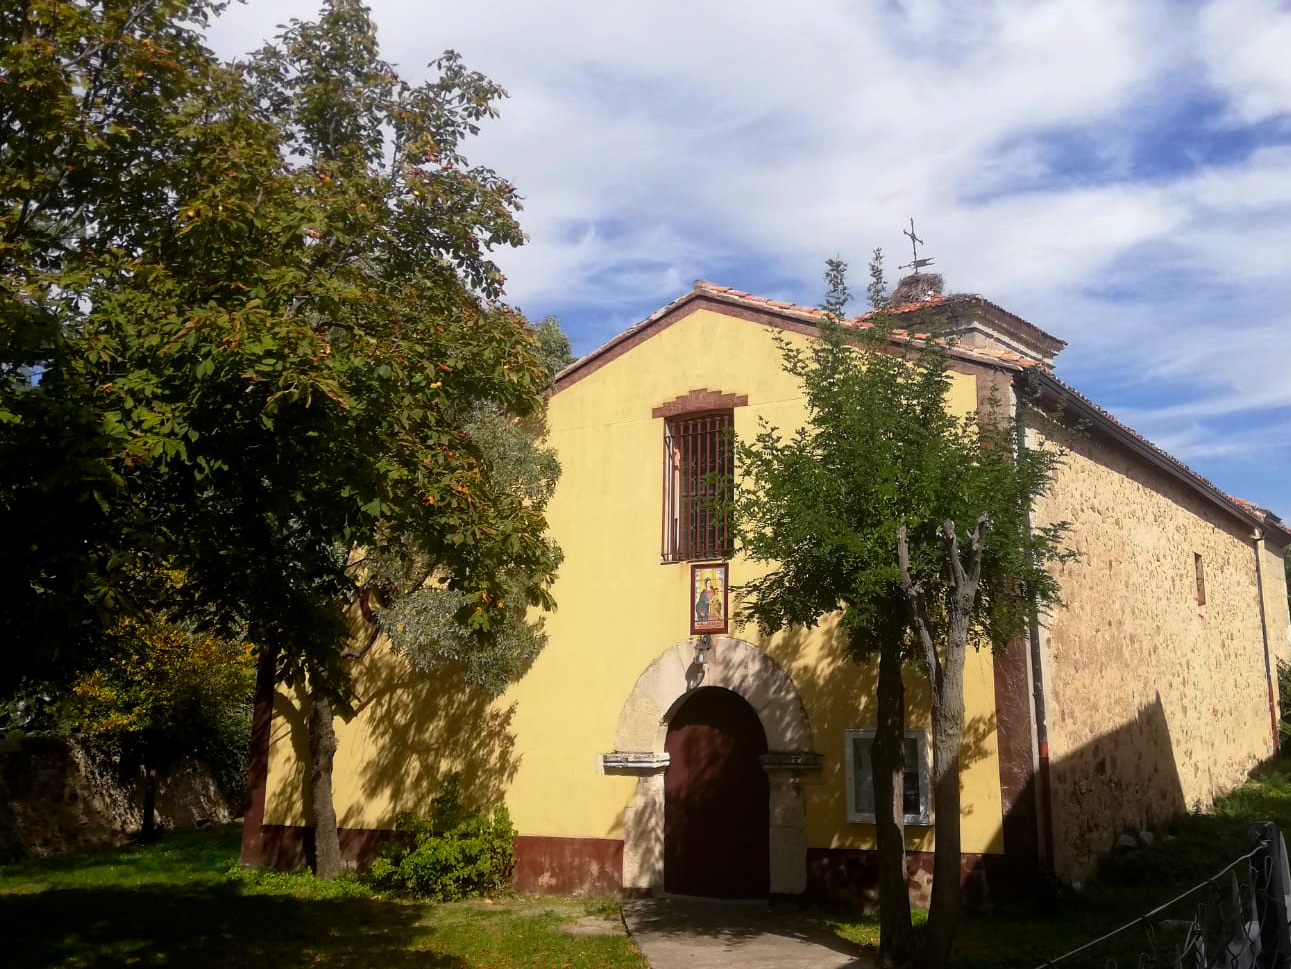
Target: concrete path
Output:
[{"x": 686, "y": 933}]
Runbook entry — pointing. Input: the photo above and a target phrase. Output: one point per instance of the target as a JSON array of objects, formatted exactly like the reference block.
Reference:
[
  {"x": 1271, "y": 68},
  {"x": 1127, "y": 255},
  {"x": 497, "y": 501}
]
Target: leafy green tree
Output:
[
  {"x": 420, "y": 613},
  {"x": 91, "y": 98},
  {"x": 260, "y": 303},
  {"x": 406, "y": 597},
  {"x": 908, "y": 522},
  {"x": 164, "y": 692},
  {"x": 327, "y": 86},
  {"x": 553, "y": 345}
]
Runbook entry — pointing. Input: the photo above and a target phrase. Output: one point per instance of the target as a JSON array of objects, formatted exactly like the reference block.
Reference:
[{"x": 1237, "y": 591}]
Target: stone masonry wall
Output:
[
  {"x": 1275, "y": 603},
  {"x": 1156, "y": 703},
  {"x": 56, "y": 797}
]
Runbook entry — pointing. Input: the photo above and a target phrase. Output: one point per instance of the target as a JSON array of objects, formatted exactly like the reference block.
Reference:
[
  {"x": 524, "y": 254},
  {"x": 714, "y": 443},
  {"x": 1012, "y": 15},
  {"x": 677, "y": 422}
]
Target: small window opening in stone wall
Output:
[{"x": 1201, "y": 578}]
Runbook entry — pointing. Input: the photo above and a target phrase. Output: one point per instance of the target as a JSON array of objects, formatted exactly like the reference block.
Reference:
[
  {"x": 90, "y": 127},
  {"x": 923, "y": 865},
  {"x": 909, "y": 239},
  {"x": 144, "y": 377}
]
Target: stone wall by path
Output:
[{"x": 57, "y": 796}]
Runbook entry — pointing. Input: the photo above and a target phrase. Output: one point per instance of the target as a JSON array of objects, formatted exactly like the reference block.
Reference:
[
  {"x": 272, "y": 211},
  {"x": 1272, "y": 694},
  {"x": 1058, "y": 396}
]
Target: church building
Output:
[{"x": 657, "y": 746}]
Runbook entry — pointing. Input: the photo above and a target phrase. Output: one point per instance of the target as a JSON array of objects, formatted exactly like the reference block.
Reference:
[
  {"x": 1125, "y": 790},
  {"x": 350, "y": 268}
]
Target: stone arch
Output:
[
  {"x": 642, "y": 730},
  {"x": 732, "y": 663}
]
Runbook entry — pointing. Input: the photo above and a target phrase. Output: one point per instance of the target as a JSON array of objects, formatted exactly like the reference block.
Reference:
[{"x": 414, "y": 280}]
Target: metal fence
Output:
[{"x": 1236, "y": 919}]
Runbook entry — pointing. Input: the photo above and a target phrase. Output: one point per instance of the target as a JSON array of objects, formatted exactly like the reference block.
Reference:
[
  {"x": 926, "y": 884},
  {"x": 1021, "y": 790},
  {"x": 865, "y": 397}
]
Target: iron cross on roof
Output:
[{"x": 915, "y": 242}]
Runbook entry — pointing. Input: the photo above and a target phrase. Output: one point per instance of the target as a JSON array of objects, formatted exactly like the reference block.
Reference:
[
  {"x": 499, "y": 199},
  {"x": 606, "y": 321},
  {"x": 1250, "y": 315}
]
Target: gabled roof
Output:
[
  {"x": 1049, "y": 343},
  {"x": 786, "y": 315},
  {"x": 792, "y": 316}
]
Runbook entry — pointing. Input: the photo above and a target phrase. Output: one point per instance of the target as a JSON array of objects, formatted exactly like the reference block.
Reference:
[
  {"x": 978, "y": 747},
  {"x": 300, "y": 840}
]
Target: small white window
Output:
[{"x": 916, "y": 794}]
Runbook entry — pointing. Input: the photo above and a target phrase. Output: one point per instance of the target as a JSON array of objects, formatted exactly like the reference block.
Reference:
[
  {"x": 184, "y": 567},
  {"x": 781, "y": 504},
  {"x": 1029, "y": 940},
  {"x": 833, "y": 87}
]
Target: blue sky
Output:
[{"x": 1118, "y": 173}]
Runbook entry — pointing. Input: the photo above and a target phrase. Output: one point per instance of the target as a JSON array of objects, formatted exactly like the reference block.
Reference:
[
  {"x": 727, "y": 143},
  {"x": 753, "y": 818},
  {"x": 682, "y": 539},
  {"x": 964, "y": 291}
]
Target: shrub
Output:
[
  {"x": 454, "y": 853},
  {"x": 1284, "y": 705},
  {"x": 165, "y": 691}
]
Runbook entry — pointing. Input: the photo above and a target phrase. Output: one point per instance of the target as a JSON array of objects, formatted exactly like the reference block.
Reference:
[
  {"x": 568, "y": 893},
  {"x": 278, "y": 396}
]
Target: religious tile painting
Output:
[{"x": 708, "y": 598}]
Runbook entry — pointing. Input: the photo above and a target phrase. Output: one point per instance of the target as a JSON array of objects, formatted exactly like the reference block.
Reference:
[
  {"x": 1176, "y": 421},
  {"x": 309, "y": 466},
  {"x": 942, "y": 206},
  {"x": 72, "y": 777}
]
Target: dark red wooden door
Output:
[{"x": 716, "y": 799}]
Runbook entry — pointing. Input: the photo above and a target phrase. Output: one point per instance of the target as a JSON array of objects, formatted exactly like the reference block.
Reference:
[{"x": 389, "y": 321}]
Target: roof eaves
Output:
[
  {"x": 811, "y": 314},
  {"x": 808, "y": 314},
  {"x": 623, "y": 335},
  {"x": 1059, "y": 342},
  {"x": 1247, "y": 511}
]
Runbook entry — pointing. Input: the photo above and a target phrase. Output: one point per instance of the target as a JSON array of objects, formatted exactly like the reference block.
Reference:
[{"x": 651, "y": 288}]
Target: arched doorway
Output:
[
  {"x": 790, "y": 764},
  {"x": 716, "y": 798}
]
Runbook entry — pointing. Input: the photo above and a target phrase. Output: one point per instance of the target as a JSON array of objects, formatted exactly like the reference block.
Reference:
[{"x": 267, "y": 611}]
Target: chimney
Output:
[{"x": 916, "y": 288}]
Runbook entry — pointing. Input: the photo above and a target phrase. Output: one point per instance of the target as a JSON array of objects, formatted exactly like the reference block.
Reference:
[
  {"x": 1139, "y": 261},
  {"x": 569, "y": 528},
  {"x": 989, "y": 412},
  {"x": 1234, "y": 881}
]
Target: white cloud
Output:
[
  {"x": 1244, "y": 44},
  {"x": 746, "y": 141}
]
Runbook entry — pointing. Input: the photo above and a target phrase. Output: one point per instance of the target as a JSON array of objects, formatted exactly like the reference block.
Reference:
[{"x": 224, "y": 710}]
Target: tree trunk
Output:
[
  {"x": 946, "y": 694},
  {"x": 896, "y": 936},
  {"x": 253, "y": 851},
  {"x": 148, "y": 828},
  {"x": 947, "y": 738},
  {"x": 322, "y": 749}
]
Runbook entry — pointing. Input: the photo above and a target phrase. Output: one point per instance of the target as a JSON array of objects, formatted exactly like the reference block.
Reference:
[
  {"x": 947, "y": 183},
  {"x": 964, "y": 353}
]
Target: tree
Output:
[
  {"x": 553, "y": 345},
  {"x": 860, "y": 513},
  {"x": 404, "y": 596},
  {"x": 164, "y": 692},
  {"x": 259, "y": 301},
  {"x": 90, "y": 99},
  {"x": 420, "y": 614}
]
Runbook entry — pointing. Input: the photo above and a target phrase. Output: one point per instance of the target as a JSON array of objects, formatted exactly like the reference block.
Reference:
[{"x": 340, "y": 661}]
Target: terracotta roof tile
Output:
[
  {"x": 702, "y": 285},
  {"x": 990, "y": 355},
  {"x": 1259, "y": 511},
  {"x": 866, "y": 320}
]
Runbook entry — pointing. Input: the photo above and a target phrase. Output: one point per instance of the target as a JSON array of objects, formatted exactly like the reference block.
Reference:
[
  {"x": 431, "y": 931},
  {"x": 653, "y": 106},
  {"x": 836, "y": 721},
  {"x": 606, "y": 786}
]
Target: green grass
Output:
[
  {"x": 184, "y": 902},
  {"x": 864, "y": 929},
  {"x": 1022, "y": 936}
]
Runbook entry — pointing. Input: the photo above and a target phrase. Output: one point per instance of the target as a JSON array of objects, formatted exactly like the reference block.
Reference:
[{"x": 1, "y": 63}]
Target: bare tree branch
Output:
[
  {"x": 357, "y": 654},
  {"x": 952, "y": 554},
  {"x": 977, "y": 548},
  {"x": 918, "y": 606}
]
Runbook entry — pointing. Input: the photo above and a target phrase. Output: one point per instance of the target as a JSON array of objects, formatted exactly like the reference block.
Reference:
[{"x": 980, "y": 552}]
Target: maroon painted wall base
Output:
[
  {"x": 288, "y": 846},
  {"x": 555, "y": 865},
  {"x": 851, "y": 875},
  {"x": 595, "y": 866},
  {"x": 565, "y": 865}
]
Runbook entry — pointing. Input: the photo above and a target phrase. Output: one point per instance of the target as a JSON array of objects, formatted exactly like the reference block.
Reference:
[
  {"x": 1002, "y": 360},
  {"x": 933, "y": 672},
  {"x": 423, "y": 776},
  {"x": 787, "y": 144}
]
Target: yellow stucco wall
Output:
[
  {"x": 618, "y": 609},
  {"x": 1156, "y": 704},
  {"x": 607, "y": 516}
]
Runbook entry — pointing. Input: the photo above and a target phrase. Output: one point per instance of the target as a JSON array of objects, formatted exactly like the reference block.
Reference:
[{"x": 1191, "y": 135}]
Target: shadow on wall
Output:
[
  {"x": 421, "y": 727},
  {"x": 1125, "y": 781},
  {"x": 414, "y": 730},
  {"x": 839, "y": 694}
]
